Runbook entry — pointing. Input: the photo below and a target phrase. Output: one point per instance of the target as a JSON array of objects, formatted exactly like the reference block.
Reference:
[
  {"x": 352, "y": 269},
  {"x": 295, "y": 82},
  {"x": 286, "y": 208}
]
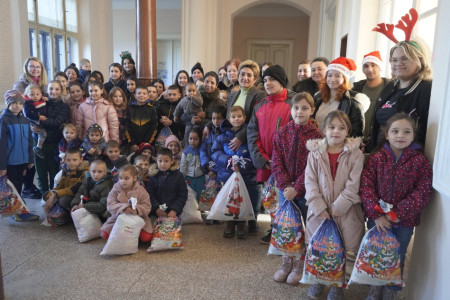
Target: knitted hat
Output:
[
  {"x": 172, "y": 138},
  {"x": 346, "y": 66},
  {"x": 144, "y": 146},
  {"x": 278, "y": 73},
  {"x": 12, "y": 96},
  {"x": 373, "y": 57},
  {"x": 197, "y": 66},
  {"x": 95, "y": 127}
]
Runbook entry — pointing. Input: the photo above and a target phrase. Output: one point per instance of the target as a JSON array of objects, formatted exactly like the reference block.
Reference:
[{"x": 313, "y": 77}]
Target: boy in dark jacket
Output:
[
  {"x": 114, "y": 161},
  {"x": 165, "y": 109},
  {"x": 16, "y": 145},
  {"x": 167, "y": 186}
]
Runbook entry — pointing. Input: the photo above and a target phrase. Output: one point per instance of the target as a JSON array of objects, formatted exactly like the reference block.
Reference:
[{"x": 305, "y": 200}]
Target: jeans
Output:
[
  {"x": 299, "y": 201},
  {"x": 403, "y": 235}
]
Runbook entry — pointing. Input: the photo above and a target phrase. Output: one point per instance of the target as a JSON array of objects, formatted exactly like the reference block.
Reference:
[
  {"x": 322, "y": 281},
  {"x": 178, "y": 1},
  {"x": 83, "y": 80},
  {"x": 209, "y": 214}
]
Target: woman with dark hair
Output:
[
  {"x": 115, "y": 78},
  {"x": 72, "y": 73},
  {"x": 210, "y": 94},
  {"x": 312, "y": 84},
  {"x": 128, "y": 64},
  {"x": 181, "y": 79},
  {"x": 197, "y": 72},
  {"x": 158, "y": 83}
]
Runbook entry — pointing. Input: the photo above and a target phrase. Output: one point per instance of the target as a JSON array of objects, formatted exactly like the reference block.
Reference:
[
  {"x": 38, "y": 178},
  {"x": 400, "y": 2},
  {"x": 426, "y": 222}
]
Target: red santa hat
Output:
[
  {"x": 373, "y": 57},
  {"x": 344, "y": 65}
]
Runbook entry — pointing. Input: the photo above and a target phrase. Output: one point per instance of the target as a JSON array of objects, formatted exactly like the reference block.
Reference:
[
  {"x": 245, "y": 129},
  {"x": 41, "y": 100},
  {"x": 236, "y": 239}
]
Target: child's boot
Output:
[
  {"x": 335, "y": 293},
  {"x": 389, "y": 294},
  {"x": 375, "y": 292},
  {"x": 296, "y": 273},
  {"x": 229, "y": 229},
  {"x": 315, "y": 290},
  {"x": 241, "y": 234},
  {"x": 253, "y": 228},
  {"x": 285, "y": 269},
  {"x": 145, "y": 236},
  {"x": 104, "y": 235}
]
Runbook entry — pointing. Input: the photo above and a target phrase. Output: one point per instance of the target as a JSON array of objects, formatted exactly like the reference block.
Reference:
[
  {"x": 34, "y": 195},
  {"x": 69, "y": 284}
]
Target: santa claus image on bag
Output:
[{"x": 234, "y": 201}]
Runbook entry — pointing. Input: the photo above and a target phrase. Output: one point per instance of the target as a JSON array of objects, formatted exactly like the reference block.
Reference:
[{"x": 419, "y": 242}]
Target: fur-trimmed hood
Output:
[
  {"x": 153, "y": 170},
  {"x": 320, "y": 145}
]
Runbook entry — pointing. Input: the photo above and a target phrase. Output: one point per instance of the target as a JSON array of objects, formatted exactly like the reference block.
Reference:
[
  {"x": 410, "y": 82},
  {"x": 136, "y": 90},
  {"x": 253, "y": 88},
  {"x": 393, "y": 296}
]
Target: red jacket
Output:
[
  {"x": 290, "y": 155},
  {"x": 406, "y": 183}
]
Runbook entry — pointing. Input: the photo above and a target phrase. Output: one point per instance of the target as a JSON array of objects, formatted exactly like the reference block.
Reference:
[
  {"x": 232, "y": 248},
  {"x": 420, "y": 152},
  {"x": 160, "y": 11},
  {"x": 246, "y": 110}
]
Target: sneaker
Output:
[
  {"x": 375, "y": 292},
  {"x": 229, "y": 229},
  {"x": 315, "y": 290},
  {"x": 31, "y": 193},
  {"x": 241, "y": 234},
  {"x": 285, "y": 269},
  {"x": 29, "y": 217},
  {"x": 389, "y": 294},
  {"x": 296, "y": 273},
  {"x": 335, "y": 293},
  {"x": 38, "y": 151},
  {"x": 266, "y": 239},
  {"x": 209, "y": 222},
  {"x": 253, "y": 228}
]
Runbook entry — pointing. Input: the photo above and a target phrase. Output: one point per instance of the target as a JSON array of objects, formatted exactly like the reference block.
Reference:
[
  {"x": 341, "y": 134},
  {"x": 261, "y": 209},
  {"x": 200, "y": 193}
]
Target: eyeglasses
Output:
[
  {"x": 402, "y": 60},
  {"x": 35, "y": 67}
]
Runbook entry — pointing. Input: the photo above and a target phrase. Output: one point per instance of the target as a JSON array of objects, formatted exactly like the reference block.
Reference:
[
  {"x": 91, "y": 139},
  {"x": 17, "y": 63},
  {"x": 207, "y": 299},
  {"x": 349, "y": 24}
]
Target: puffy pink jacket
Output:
[{"x": 100, "y": 112}]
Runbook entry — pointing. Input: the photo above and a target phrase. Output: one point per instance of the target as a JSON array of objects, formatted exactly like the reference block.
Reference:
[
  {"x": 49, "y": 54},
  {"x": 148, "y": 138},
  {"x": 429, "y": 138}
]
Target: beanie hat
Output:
[
  {"x": 144, "y": 146},
  {"x": 346, "y": 66},
  {"x": 197, "y": 66},
  {"x": 373, "y": 57},
  {"x": 95, "y": 127},
  {"x": 278, "y": 73},
  {"x": 12, "y": 96},
  {"x": 172, "y": 138}
]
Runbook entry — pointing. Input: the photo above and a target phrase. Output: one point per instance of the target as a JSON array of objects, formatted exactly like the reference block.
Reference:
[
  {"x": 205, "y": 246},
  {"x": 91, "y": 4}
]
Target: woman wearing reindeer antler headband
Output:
[{"x": 410, "y": 89}]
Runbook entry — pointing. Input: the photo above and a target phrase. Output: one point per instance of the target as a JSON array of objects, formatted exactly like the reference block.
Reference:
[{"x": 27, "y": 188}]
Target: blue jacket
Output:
[
  {"x": 16, "y": 142},
  {"x": 57, "y": 114},
  {"x": 206, "y": 149},
  {"x": 221, "y": 154}
]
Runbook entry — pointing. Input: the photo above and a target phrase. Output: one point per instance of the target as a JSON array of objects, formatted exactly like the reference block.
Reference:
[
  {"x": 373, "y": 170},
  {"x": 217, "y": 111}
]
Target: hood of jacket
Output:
[
  {"x": 321, "y": 145},
  {"x": 153, "y": 170},
  {"x": 100, "y": 101}
]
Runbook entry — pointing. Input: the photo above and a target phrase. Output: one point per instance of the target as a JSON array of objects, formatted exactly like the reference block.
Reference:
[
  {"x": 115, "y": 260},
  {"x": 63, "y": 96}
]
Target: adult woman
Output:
[
  {"x": 128, "y": 64},
  {"x": 231, "y": 80},
  {"x": 222, "y": 73},
  {"x": 33, "y": 72},
  {"x": 408, "y": 92},
  {"x": 159, "y": 85},
  {"x": 335, "y": 94},
  {"x": 197, "y": 72},
  {"x": 181, "y": 79},
  {"x": 312, "y": 84},
  {"x": 72, "y": 73},
  {"x": 210, "y": 94}
]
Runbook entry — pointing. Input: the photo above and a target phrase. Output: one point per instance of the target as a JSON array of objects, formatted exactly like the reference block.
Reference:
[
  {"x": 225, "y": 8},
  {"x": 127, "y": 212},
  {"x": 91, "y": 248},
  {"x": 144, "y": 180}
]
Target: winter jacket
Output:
[
  {"x": 57, "y": 114},
  {"x": 176, "y": 157},
  {"x": 188, "y": 107},
  {"x": 340, "y": 196},
  {"x": 87, "y": 145},
  {"x": 83, "y": 74},
  {"x": 166, "y": 108},
  {"x": 142, "y": 123},
  {"x": 206, "y": 149},
  {"x": 415, "y": 102},
  {"x": 96, "y": 192},
  {"x": 99, "y": 112},
  {"x": 168, "y": 188},
  {"x": 16, "y": 141},
  {"x": 21, "y": 84},
  {"x": 272, "y": 112},
  {"x": 33, "y": 110},
  {"x": 210, "y": 100},
  {"x": 221, "y": 154},
  {"x": 122, "y": 118},
  {"x": 354, "y": 105},
  {"x": 405, "y": 182},
  {"x": 290, "y": 155},
  {"x": 118, "y": 202},
  {"x": 73, "y": 107},
  {"x": 63, "y": 146},
  {"x": 120, "y": 83},
  {"x": 71, "y": 180},
  {"x": 190, "y": 162},
  {"x": 308, "y": 85},
  {"x": 119, "y": 163}
]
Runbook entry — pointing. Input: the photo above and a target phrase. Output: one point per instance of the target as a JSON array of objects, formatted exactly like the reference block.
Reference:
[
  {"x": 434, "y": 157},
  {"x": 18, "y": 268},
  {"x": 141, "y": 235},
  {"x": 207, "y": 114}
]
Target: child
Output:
[
  {"x": 224, "y": 96},
  {"x": 174, "y": 144},
  {"x": 85, "y": 69},
  {"x": 132, "y": 83},
  {"x": 288, "y": 167},
  {"x": 142, "y": 165},
  {"x": 115, "y": 79},
  {"x": 35, "y": 110},
  {"x": 400, "y": 175},
  {"x": 221, "y": 155},
  {"x": 190, "y": 164},
  {"x": 95, "y": 187},
  {"x": 165, "y": 109},
  {"x": 187, "y": 108},
  {"x": 152, "y": 94},
  {"x": 69, "y": 140},
  {"x": 94, "y": 143},
  {"x": 119, "y": 102},
  {"x": 145, "y": 149},
  {"x": 167, "y": 186},
  {"x": 114, "y": 161},
  {"x": 142, "y": 122},
  {"x": 219, "y": 113},
  {"x": 332, "y": 179},
  {"x": 62, "y": 77},
  {"x": 118, "y": 203},
  {"x": 70, "y": 181},
  {"x": 96, "y": 110},
  {"x": 16, "y": 145},
  {"x": 76, "y": 93}
]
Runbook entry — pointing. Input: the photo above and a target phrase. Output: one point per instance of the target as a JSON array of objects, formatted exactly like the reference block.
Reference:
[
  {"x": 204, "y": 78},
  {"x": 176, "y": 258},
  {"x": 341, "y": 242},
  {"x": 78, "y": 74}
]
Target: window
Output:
[{"x": 53, "y": 33}]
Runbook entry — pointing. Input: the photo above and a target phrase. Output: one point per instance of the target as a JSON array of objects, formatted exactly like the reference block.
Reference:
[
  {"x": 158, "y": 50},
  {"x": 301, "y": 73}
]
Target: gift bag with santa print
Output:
[
  {"x": 167, "y": 234},
  {"x": 288, "y": 236},
  {"x": 325, "y": 257},
  {"x": 11, "y": 202},
  {"x": 161, "y": 138},
  {"x": 378, "y": 260},
  {"x": 269, "y": 196},
  {"x": 208, "y": 195}
]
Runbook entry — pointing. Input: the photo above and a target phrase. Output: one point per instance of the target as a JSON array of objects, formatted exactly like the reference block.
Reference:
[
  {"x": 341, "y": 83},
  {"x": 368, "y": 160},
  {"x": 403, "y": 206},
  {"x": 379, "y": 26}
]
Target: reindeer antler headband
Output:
[{"x": 406, "y": 23}]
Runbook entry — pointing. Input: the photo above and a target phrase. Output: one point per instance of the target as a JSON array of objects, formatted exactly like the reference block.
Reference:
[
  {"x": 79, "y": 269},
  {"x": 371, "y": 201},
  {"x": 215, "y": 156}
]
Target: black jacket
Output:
[
  {"x": 142, "y": 123},
  {"x": 57, "y": 114},
  {"x": 166, "y": 108},
  {"x": 307, "y": 85}
]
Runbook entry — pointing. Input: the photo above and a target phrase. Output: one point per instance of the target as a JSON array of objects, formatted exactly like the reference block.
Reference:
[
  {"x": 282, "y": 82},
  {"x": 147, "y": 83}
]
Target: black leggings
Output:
[{"x": 15, "y": 175}]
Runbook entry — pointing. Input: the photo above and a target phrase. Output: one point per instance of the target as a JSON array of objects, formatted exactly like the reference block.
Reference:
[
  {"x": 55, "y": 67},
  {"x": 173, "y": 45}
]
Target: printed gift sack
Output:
[
  {"x": 160, "y": 141},
  {"x": 87, "y": 224},
  {"x": 57, "y": 216},
  {"x": 190, "y": 212},
  {"x": 232, "y": 202},
  {"x": 11, "y": 203},
  {"x": 208, "y": 195},
  {"x": 269, "y": 196},
  {"x": 288, "y": 237},
  {"x": 325, "y": 257},
  {"x": 124, "y": 237},
  {"x": 167, "y": 234},
  {"x": 378, "y": 260}
]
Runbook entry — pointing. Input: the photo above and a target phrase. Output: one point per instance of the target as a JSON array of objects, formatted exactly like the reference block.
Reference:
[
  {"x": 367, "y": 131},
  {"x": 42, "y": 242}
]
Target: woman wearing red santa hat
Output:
[{"x": 335, "y": 94}]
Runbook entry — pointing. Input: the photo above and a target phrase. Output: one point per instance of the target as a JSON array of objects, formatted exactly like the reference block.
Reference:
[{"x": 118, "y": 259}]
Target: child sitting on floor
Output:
[
  {"x": 114, "y": 161},
  {"x": 174, "y": 144},
  {"x": 94, "y": 143},
  {"x": 142, "y": 165}
]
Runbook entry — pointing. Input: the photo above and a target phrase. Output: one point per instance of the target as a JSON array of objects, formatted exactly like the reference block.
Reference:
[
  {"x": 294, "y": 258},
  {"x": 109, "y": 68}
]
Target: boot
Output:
[
  {"x": 285, "y": 269},
  {"x": 389, "y": 294},
  {"x": 375, "y": 292},
  {"x": 296, "y": 273},
  {"x": 335, "y": 293},
  {"x": 241, "y": 230},
  {"x": 253, "y": 228},
  {"x": 229, "y": 229}
]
